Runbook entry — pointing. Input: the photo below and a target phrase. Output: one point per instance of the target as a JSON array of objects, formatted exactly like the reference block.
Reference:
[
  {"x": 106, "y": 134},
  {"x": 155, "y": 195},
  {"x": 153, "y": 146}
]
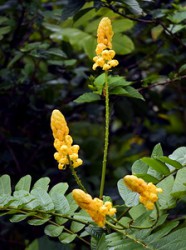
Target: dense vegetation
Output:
[{"x": 46, "y": 63}]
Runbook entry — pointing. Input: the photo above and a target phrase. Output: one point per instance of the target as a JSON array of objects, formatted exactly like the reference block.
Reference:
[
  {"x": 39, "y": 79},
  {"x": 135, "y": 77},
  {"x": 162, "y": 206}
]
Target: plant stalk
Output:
[
  {"x": 107, "y": 116},
  {"x": 76, "y": 177}
]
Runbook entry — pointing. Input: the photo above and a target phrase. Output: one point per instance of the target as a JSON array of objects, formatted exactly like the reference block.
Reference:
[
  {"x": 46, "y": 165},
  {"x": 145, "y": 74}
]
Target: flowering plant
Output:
[{"x": 140, "y": 220}]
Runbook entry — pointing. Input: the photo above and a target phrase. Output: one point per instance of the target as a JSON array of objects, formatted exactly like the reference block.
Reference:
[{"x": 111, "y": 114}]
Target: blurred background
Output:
[{"x": 46, "y": 51}]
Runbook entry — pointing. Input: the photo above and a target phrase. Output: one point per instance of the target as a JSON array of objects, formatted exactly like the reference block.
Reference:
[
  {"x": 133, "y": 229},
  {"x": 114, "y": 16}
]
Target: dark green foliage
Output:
[{"x": 45, "y": 63}]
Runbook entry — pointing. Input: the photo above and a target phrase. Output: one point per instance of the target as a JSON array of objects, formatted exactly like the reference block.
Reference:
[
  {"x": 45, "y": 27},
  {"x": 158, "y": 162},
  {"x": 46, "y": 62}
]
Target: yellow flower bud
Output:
[
  {"x": 106, "y": 67},
  {"x": 104, "y": 50},
  {"x": 100, "y": 47},
  {"x": 113, "y": 63},
  {"x": 94, "y": 207},
  {"x": 100, "y": 62},
  {"x": 77, "y": 163},
  {"x": 104, "y": 32},
  {"x": 63, "y": 142},
  {"x": 148, "y": 192}
]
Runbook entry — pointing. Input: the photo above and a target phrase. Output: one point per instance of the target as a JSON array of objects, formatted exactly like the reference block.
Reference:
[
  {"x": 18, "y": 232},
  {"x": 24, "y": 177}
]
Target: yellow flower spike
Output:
[
  {"x": 63, "y": 142},
  {"x": 104, "y": 50},
  {"x": 105, "y": 33},
  {"x": 96, "y": 208},
  {"x": 148, "y": 192}
]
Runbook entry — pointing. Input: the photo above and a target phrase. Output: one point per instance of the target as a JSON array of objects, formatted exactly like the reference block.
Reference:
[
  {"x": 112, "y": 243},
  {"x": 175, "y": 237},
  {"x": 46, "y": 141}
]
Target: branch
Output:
[
  {"x": 166, "y": 82},
  {"x": 150, "y": 21},
  {"x": 115, "y": 10}
]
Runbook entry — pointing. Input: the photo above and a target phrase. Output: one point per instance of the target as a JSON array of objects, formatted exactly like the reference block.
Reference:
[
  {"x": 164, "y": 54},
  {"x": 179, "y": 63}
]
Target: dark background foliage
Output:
[{"x": 39, "y": 72}]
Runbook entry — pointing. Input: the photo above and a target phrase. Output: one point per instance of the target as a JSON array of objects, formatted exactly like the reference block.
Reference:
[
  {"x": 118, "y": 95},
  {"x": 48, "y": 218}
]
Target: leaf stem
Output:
[{"x": 104, "y": 164}]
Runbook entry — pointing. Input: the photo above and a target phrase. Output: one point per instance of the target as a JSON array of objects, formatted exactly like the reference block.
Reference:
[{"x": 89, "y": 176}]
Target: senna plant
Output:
[{"x": 140, "y": 220}]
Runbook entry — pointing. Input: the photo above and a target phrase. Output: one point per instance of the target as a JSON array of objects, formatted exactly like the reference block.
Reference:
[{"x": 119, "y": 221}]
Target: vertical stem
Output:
[
  {"x": 104, "y": 164},
  {"x": 76, "y": 177}
]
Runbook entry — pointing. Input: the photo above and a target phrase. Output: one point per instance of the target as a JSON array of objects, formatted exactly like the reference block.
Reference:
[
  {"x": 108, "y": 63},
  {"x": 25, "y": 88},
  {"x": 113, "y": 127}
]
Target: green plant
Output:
[{"x": 124, "y": 225}]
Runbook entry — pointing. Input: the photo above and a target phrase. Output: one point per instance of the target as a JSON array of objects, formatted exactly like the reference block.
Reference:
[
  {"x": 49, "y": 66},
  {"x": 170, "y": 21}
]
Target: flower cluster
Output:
[
  {"x": 148, "y": 192},
  {"x": 96, "y": 208},
  {"x": 104, "y": 52},
  {"x": 66, "y": 153}
]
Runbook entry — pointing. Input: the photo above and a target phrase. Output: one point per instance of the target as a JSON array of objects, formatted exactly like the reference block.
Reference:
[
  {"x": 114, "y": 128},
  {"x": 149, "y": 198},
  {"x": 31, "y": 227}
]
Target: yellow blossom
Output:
[
  {"x": 66, "y": 152},
  {"x": 104, "y": 52},
  {"x": 148, "y": 192},
  {"x": 96, "y": 208}
]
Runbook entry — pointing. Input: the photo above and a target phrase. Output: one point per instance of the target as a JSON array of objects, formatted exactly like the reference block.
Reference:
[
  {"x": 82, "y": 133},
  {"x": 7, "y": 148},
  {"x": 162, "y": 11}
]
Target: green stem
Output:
[
  {"x": 104, "y": 164},
  {"x": 124, "y": 232},
  {"x": 37, "y": 216},
  {"x": 76, "y": 177}
]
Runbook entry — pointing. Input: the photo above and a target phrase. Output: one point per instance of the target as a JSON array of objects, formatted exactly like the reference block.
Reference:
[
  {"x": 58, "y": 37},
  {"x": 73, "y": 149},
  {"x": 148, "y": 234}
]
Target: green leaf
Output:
[
  {"x": 133, "y": 6},
  {"x": 4, "y": 30},
  {"x": 119, "y": 91},
  {"x": 59, "y": 188},
  {"x": 45, "y": 243},
  {"x": 122, "y": 44},
  {"x": 182, "y": 69},
  {"x": 115, "y": 241},
  {"x": 3, "y": 19},
  {"x": 164, "y": 230},
  {"x": 166, "y": 200},
  {"x": 125, "y": 221},
  {"x": 117, "y": 81},
  {"x": 99, "y": 244},
  {"x": 18, "y": 217},
  {"x": 42, "y": 183},
  {"x": 171, "y": 162},
  {"x": 32, "y": 204},
  {"x": 132, "y": 92},
  {"x": 99, "y": 83},
  {"x": 137, "y": 211},
  {"x": 5, "y": 185},
  {"x": 24, "y": 196},
  {"x": 21, "y": 198},
  {"x": 126, "y": 91},
  {"x": 60, "y": 203},
  {"x": 34, "y": 245},
  {"x": 72, "y": 203},
  {"x": 142, "y": 170},
  {"x": 144, "y": 220},
  {"x": 71, "y": 8},
  {"x": 87, "y": 97},
  {"x": 43, "y": 198},
  {"x": 177, "y": 17},
  {"x": 179, "y": 187},
  {"x": 156, "y": 165},
  {"x": 34, "y": 46},
  {"x": 179, "y": 155},
  {"x": 67, "y": 238},
  {"x": 122, "y": 25},
  {"x": 17, "y": 56},
  {"x": 94, "y": 231},
  {"x": 5, "y": 200},
  {"x": 24, "y": 183},
  {"x": 174, "y": 28},
  {"x": 37, "y": 222},
  {"x": 130, "y": 198},
  {"x": 175, "y": 240},
  {"x": 89, "y": 46},
  {"x": 56, "y": 52},
  {"x": 157, "y": 151},
  {"x": 76, "y": 226},
  {"x": 53, "y": 231},
  {"x": 156, "y": 32}
]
